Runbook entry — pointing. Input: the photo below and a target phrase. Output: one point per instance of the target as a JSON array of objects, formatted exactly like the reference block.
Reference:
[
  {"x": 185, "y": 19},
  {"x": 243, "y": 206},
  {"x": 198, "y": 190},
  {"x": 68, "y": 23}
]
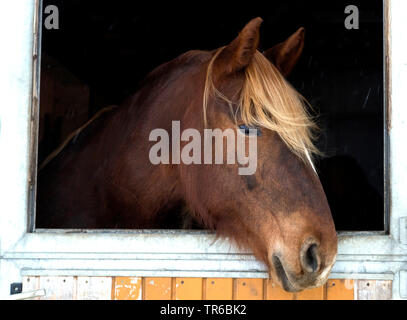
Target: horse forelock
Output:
[{"x": 267, "y": 100}]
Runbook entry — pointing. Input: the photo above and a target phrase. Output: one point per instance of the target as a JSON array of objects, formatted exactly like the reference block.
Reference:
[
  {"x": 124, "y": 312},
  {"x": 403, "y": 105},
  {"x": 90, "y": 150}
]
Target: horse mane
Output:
[
  {"x": 72, "y": 136},
  {"x": 267, "y": 100}
]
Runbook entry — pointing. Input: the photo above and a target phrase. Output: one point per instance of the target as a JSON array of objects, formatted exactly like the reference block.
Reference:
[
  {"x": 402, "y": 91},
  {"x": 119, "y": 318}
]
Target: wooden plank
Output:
[
  {"x": 58, "y": 288},
  {"x": 340, "y": 289},
  {"x": 127, "y": 288},
  {"x": 275, "y": 292},
  {"x": 219, "y": 289},
  {"x": 188, "y": 289},
  {"x": 31, "y": 284},
  {"x": 157, "y": 288},
  {"x": 94, "y": 288},
  {"x": 311, "y": 294},
  {"x": 248, "y": 289},
  {"x": 373, "y": 290},
  {"x": 130, "y": 288}
]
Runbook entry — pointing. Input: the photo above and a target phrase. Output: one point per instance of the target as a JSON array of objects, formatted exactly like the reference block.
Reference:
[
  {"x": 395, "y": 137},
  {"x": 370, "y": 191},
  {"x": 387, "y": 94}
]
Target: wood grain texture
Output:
[
  {"x": 159, "y": 288},
  {"x": 373, "y": 289},
  {"x": 31, "y": 284}
]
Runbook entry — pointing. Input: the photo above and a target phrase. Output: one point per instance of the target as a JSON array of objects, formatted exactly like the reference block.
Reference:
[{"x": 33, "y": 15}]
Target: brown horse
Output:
[{"x": 104, "y": 178}]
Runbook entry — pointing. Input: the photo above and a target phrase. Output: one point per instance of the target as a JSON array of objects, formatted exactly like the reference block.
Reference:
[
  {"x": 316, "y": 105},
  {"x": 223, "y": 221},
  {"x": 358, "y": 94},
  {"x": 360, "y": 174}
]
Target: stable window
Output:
[
  {"x": 352, "y": 76},
  {"x": 98, "y": 55}
]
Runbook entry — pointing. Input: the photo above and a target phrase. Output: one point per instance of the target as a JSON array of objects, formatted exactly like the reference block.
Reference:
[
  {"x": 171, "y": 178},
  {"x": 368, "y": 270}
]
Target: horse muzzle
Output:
[{"x": 314, "y": 269}]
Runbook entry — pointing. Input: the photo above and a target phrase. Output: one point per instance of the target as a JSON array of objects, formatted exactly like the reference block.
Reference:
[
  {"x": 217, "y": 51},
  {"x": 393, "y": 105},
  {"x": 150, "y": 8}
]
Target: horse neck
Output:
[
  {"x": 155, "y": 188},
  {"x": 177, "y": 98},
  {"x": 107, "y": 168}
]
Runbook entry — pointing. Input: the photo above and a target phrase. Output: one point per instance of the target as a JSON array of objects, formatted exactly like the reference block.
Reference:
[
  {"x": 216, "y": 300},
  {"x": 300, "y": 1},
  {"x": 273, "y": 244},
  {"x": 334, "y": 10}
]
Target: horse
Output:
[{"x": 104, "y": 178}]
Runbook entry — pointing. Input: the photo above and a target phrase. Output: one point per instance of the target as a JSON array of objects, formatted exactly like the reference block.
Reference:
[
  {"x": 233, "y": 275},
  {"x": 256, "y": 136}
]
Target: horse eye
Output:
[{"x": 245, "y": 129}]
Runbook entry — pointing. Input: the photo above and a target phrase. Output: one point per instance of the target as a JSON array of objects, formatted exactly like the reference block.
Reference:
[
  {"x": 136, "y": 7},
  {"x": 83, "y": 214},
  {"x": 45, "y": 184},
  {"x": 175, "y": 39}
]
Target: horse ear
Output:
[
  {"x": 239, "y": 53},
  {"x": 286, "y": 54}
]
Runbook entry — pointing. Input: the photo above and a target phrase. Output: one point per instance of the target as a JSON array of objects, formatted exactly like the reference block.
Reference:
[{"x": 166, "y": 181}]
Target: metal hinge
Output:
[{"x": 16, "y": 287}]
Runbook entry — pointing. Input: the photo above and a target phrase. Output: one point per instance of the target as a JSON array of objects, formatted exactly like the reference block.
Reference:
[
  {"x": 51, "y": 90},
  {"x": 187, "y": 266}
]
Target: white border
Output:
[{"x": 165, "y": 253}]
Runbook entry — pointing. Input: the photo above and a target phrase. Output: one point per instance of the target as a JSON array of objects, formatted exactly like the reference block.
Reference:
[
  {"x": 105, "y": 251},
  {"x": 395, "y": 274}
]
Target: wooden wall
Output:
[{"x": 144, "y": 288}]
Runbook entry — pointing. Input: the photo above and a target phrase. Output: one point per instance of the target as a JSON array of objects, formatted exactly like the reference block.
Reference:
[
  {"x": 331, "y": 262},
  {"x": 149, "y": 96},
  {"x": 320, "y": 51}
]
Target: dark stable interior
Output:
[{"x": 103, "y": 49}]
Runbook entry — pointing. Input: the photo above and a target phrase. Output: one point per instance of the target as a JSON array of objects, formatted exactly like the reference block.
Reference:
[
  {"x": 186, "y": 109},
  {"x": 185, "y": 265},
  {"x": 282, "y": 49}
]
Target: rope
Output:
[{"x": 73, "y": 135}]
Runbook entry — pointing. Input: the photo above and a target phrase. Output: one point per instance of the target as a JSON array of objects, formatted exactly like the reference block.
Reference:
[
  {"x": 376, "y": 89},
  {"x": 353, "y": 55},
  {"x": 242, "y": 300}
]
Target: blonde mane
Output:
[{"x": 267, "y": 100}]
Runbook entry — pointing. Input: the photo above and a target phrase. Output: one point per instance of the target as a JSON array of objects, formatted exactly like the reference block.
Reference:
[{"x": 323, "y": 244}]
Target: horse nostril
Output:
[{"x": 310, "y": 260}]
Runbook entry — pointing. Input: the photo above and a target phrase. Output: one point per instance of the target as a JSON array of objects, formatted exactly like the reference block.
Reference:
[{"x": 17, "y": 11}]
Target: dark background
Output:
[{"x": 111, "y": 45}]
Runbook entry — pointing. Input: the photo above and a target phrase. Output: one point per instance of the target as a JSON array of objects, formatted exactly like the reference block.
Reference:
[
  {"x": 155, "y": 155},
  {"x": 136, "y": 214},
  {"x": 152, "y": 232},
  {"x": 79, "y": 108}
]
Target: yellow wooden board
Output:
[
  {"x": 311, "y": 294},
  {"x": 340, "y": 290},
  {"x": 275, "y": 292},
  {"x": 127, "y": 288},
  {"x": 218, "y": 289},
  {"x": 248, "y": 289},
  {"x": 157, "y": 288},
  {"x": 187, "y": 289}
]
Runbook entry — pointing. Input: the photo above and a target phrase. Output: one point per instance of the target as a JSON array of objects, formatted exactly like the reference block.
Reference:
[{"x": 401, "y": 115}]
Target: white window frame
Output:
[{"x": 169, "y": 253}]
